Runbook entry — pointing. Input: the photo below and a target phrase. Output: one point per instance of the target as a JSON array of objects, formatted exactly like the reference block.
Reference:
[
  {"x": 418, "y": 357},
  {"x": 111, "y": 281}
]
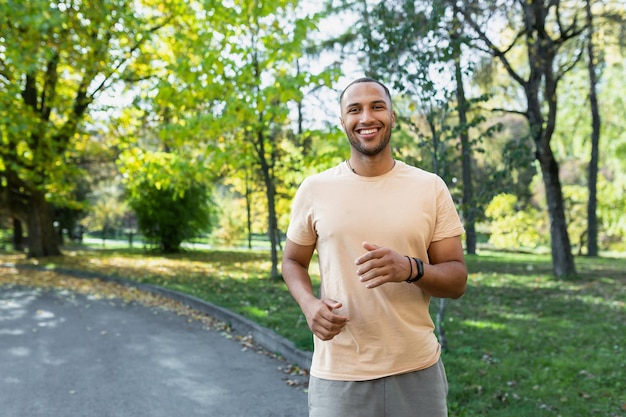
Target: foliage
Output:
[
  {"x": 230, "y": 87},
  {"x": 166, "y": 218},
  {"x": 520, "y": 342},
  {"x": 232, "y": 220},
  {"x": 170, "y": 206},
  {"x": 610, "y": 203},
  {"x": 571, "y": 124},
  {"x": 56, "y": 58},
  {"x": 106, "y": 209},
  {"x": 230, "y": 101},
  {"x": 513, "y": 226},
  {"x": 611, "y": 208},
  {"x": 575, "y": 198}
]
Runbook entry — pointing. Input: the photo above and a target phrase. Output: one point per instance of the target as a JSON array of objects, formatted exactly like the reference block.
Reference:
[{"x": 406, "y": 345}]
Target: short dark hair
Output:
[{"x": 365, "y": 80}]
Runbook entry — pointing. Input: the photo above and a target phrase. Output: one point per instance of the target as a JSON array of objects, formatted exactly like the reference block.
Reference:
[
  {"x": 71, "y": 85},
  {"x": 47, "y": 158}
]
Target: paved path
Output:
[{"x": 69, "y": 355}]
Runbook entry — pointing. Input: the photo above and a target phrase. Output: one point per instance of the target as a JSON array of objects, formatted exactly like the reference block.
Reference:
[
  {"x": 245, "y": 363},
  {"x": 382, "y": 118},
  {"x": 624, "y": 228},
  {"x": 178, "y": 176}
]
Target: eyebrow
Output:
[{"x": 373, "y": 102}]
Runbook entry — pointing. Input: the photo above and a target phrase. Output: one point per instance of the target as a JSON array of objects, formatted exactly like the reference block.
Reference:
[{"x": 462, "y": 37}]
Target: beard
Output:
[{"x": 367, "y": 151}]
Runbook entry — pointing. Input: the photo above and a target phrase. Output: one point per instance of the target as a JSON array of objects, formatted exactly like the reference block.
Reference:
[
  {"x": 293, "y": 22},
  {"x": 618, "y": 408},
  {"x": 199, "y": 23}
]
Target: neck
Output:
[{"x": 369, "y": 168}]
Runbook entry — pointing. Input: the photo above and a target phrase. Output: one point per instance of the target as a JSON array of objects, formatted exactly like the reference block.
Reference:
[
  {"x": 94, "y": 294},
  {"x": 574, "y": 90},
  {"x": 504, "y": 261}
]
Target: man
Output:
[{"x": 376, "y": 223}]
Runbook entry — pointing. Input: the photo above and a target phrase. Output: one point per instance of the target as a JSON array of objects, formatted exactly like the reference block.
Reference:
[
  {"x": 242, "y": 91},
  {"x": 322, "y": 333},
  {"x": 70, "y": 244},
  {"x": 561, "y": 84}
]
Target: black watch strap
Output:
[{"x": 420, "y": 271}]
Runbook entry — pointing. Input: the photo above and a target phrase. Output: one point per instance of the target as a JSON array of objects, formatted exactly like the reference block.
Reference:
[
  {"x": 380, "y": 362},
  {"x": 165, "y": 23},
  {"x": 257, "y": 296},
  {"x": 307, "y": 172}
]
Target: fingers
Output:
[
  {"x": 323, "y": 322},
  {"x": 370, "y": 246},
  {"x": 373, "y": 252},
  {"x": 332, "y": 304},
  {"x": 381, "y": 265}
]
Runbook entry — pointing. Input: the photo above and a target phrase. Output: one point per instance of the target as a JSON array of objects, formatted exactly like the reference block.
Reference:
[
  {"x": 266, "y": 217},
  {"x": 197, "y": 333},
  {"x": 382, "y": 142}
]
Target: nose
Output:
[{"x": 367, "y": 115}]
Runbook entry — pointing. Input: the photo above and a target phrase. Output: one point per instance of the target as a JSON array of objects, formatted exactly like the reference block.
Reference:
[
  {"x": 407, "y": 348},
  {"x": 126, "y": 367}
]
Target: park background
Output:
[{"x": 183, "y": 128}]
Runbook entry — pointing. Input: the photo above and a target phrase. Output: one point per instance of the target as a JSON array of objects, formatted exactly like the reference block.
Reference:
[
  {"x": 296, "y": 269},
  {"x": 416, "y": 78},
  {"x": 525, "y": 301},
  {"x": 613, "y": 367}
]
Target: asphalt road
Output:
[{"x": 69, "y": 355}]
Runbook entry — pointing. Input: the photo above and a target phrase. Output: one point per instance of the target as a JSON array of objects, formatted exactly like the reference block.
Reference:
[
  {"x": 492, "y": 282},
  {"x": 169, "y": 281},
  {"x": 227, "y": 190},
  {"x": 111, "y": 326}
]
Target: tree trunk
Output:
[
  {"x": 592, "y": 203},
  {"x": 272, "y": 223},
  {"x": 18, "y": 235},
  {"x": 42, "y": 238},
  {"x": 270, "y": 192},
  {"x": 541, "y": 95},
  {"x": 248, "y": 211},
  {"x": 562, "y": 259},
  {"x": 466, "y": 151}
]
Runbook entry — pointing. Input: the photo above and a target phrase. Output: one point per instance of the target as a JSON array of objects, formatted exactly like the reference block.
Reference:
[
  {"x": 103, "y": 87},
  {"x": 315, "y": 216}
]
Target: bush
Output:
[
  {"x": 167, "y": 217},
  {"x": 512, "y": 227}
]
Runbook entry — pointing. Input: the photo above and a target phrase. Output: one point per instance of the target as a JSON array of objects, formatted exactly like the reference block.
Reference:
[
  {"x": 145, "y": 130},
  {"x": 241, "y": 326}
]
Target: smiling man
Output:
[{"x": 388, "y": 237}]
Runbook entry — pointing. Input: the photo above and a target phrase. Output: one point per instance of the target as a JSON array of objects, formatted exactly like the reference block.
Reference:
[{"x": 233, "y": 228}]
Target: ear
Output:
[
  {"x": 343, "y": 125},
  {"x": 393, "y": 119}
]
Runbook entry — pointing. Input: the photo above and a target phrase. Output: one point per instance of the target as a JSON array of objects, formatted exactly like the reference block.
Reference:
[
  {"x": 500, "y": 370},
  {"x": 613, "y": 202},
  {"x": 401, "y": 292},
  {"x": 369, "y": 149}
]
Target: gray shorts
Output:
[{"x": 414, "y": 394}]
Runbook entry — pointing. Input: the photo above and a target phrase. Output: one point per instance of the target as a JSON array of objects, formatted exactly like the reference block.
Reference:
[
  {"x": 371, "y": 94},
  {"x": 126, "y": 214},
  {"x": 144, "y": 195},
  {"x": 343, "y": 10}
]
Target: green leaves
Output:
[
  {"x": 172, "y": 202},
  {"x": 55, "y": 58}
]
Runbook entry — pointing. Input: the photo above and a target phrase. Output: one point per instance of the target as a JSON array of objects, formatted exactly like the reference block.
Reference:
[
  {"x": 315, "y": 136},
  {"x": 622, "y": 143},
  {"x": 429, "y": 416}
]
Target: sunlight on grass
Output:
[
  {"x": 484, "y": 324},
  {"x": 255, "y": 311}
]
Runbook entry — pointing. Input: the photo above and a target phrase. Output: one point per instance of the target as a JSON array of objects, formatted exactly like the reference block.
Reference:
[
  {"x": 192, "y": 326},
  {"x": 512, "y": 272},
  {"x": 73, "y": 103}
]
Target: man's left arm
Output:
[{"x": 446, "y": 274}]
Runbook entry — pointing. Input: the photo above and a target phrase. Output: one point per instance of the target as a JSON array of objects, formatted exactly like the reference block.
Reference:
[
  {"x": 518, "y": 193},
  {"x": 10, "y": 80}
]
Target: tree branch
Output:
[
  {"x": 48, "y": 92},
  {"x": 565, "y": 69},
  {"x": 129, "y": 54},
  {"x": 492, "y": 48},
  {"x": 501, "y": 110}
]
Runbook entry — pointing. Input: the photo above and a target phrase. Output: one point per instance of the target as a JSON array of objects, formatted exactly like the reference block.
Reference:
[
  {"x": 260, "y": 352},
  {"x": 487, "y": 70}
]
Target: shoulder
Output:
[
  {"x": 329, "y": 176},
  {"x": 419, "y": 174}
]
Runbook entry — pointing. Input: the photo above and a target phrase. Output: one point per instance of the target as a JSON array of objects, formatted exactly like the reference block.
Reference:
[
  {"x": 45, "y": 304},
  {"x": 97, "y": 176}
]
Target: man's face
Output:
[{"x": 367, "y": 117}]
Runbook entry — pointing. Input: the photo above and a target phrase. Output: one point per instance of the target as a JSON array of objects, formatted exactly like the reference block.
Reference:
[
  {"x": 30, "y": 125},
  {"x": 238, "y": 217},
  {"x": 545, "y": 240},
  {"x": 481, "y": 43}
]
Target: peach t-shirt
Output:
[{"x": 390, "y": 330}]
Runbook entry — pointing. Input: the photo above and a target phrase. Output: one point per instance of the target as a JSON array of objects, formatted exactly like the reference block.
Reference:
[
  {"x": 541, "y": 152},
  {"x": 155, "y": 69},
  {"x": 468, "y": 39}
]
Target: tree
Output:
[
  {"x": 264, "y": 57},
  {"x": 56, "y": 58},
  {"x": 542, "y": 30},
  {"x": 592, "y": 204},
  {"x": 466, "y": 148},
  {"x": 228, "y": 81}
]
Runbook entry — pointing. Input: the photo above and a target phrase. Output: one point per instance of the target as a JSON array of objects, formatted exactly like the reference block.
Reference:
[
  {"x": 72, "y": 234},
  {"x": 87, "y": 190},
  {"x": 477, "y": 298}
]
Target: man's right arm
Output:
[{"x": 318, "y": 313}]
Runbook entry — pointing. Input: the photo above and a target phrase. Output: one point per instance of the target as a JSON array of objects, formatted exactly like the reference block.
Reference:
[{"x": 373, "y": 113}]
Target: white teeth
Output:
[{"x": 368, "y": 131}]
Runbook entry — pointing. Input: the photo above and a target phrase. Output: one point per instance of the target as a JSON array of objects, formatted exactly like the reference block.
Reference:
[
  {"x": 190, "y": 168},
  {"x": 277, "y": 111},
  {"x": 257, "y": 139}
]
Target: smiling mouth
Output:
[{"x": 368, "y": 131}]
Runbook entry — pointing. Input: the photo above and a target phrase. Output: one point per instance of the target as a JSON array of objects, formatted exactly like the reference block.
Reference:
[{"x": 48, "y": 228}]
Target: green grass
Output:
[{"x": 521, "y": 343}]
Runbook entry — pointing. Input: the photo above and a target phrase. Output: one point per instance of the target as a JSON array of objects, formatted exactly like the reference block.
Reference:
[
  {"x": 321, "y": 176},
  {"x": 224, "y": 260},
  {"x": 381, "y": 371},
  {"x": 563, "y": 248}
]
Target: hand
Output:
[
  {"x": 381, "y": 265},
  {"x": 322, "y": 321}
]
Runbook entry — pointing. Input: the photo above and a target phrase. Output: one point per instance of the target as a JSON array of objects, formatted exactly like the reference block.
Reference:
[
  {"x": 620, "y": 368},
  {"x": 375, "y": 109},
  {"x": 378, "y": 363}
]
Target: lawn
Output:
[{"x": 521, "y": 343}]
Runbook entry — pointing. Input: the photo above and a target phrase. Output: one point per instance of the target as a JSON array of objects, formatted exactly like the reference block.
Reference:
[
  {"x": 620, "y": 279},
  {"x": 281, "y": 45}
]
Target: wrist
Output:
[
  {"x": 419, "y": 271},
  {"x": 410, "y": 268}
]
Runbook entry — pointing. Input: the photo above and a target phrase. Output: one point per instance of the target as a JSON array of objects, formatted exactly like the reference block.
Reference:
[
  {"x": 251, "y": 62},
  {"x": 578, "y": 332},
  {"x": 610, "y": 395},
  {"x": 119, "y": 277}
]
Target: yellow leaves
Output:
[
  {"x": 501, "y": 205},
  {"x": 24, "y": 150},
  {"x": 101, "y": 289}
]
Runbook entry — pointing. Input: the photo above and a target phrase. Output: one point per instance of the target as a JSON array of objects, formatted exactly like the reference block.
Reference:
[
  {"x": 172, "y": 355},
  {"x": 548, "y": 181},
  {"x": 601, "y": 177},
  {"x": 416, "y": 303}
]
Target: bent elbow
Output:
[
  {"x": 459, "y": 293},
  {"x": 460, "y": 289}
]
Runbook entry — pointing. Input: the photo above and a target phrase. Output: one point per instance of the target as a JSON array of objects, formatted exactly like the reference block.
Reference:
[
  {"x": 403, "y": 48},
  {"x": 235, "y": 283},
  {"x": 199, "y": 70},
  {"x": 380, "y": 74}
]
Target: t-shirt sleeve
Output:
[
  {"x": 301, "y": 228},
  {"x": 448, "y": 223}
]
